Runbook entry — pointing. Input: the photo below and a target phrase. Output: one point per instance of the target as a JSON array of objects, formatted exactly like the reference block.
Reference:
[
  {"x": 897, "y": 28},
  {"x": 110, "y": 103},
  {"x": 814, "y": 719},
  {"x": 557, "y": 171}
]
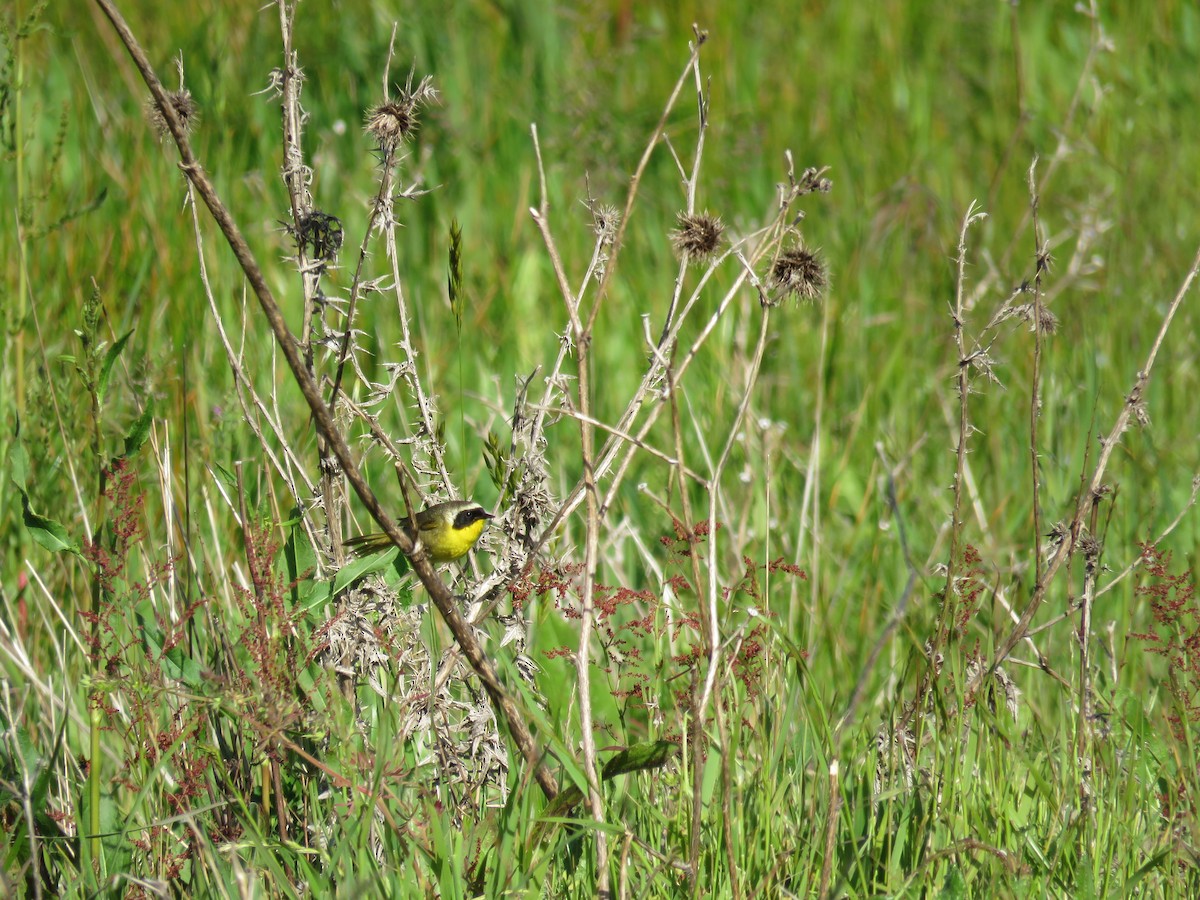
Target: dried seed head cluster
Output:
[
  {"x": 185, "y": 108},
  {"x": 393, "y": 122},
  {"x": 801, "y": 273},
  {"x": 813, "y": 181},
  {"x": 996, "y": 685},
  {"x": 698, "y": 235}
]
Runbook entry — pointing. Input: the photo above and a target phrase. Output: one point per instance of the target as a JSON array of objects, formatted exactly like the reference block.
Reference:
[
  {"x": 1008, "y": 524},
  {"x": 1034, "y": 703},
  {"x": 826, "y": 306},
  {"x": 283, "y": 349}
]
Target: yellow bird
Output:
[{"x": 447, "y": 531}]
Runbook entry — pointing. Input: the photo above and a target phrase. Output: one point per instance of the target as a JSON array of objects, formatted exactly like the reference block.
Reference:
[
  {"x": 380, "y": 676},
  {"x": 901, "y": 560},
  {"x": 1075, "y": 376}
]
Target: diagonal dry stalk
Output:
[
  {"x": 580, "y": 337},
  {"x": 322, "y": 418},
  {"x": 1091, "y": 492}
]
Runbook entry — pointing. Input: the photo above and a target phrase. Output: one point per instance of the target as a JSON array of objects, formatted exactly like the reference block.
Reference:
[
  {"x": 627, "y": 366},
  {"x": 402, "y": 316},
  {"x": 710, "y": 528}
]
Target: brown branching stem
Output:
[
  {"x": 949, "y": 610},
  {"x": 582, "y": 339},
  {"x": 1088, "y": 496},
  {"x": 437, "y": 590}
]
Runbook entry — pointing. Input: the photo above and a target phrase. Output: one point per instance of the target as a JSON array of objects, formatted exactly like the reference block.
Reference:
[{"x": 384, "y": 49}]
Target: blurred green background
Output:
[{"x": 917, "y": 109}]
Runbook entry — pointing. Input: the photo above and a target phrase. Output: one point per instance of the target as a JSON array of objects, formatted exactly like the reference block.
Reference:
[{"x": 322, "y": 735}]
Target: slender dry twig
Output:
[
  {"x": 949, "y": 609},
  {"x": 831, "y": 817},
  {"x": 1042, "y": 257},
  {"x": 437, "y": 590},
  {"x": 1090, "y": 494},
  {"x": 583, "y": 658}
]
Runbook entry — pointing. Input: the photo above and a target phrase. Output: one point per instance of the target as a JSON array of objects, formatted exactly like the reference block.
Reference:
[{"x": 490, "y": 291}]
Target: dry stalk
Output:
[
  {"x": 329, "y": 432},
  {"x": 1042, "y": 257},
  {"x": 949, "y": 610},
  {"x": 582, "y": 339},
  {"x": 1091, "y": 492}
]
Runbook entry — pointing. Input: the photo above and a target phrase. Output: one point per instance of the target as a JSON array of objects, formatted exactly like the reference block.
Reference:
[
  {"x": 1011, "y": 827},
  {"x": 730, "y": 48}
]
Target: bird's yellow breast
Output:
[{"x": 445, "y": 543}]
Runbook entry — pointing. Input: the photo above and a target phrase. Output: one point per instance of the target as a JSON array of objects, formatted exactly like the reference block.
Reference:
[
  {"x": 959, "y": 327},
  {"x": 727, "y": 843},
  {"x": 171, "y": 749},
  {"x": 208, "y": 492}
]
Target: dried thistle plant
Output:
[
  {"x": 800, "y": 273},
  {"x": 186, "y": 109},
  {"x": 699, "y": 236},
  {"x": 394, "y": 121}
]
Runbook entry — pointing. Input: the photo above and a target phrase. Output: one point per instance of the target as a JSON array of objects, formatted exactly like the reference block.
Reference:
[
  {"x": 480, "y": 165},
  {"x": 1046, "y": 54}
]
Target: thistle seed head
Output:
[
  {"x": 801, "y": 273},
  {"x": 185, "y": 108},
  {"x": 698, "y": 236}
]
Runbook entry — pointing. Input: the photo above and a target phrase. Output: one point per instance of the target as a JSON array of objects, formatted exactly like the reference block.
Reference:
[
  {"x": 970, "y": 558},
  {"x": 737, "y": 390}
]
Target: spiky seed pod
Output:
[
  {"x": 393, "y": 122},
  {"x": 801, "y": 273},
  {"x": 698, "y": 236},
  {"x": 185, "y": 108},
  {"x": 605, "y": 221}
]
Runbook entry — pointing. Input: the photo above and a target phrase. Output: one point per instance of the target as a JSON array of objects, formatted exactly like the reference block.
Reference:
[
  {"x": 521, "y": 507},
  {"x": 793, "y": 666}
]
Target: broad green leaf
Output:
[
  {"x": 50, "y": 534},
  {"x": 140, "y": 430}
]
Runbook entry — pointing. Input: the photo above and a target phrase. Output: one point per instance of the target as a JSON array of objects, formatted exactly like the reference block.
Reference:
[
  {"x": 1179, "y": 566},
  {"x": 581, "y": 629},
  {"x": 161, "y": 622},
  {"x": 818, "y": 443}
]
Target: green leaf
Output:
[
  {"x": 18, "y": 459},
  {"x": 178, "y": 665},
  {"x": 650, "y": 755},
  {"x": 50, "y": 534},
  {"x": 955, "y": 886},
  {"x": 226, "y": 477},
  {"x": 361, "y": 568},
  {"x": 115, "y": 849},
  {"x": 175, "y": 663},
  {"x": 110, "y": 360},
  {"x": 140, "y": 430},
  {"x": 297, "y": 563}
]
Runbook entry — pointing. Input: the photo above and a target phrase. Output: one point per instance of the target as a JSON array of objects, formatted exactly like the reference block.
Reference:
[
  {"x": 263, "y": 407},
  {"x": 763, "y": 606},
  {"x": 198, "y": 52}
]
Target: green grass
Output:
[{"x": 232, "y": 759}]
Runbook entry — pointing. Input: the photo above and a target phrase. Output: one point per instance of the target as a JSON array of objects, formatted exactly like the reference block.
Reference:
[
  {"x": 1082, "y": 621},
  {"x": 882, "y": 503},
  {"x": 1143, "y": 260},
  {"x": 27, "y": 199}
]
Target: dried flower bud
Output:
[
  {"x": 800, "y": 272},
  {"x": 1048, "y": 322},
  {"x": 393, "y": 122},
  {"x": 605, "y": 221},
  {"x": 185, "y": 108},
  {"x": 698, "y": 236},
  {"x": 319, "y": 232}
]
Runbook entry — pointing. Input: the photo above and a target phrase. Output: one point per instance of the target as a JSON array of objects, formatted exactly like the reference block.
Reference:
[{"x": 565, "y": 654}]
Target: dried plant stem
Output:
[
  {"x": 1083, "y": 726},
  {"x": 636, "y": 180},
  {"x": 253, "y": 407},
  {"x": 612, "y": 449},
  {"x": 582, "y": 338},
  {"x": 697, "y": 743},
  {"x": 831, "y": 816},
  {"x": 809, "y": 520},
  {"x": 1090, "y": 494},
  {"x": 1041, "y": 255},
  {"x": 297, "y": 177},
  {"x": 425, "y": 407},
  {"x": 438, "y": 592},
  {"x": 949, "y": 610},
  {"x": 690, "y": 183},
  {"x": 965, "y": 429},
  {"x": 382, "y": 199}
]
